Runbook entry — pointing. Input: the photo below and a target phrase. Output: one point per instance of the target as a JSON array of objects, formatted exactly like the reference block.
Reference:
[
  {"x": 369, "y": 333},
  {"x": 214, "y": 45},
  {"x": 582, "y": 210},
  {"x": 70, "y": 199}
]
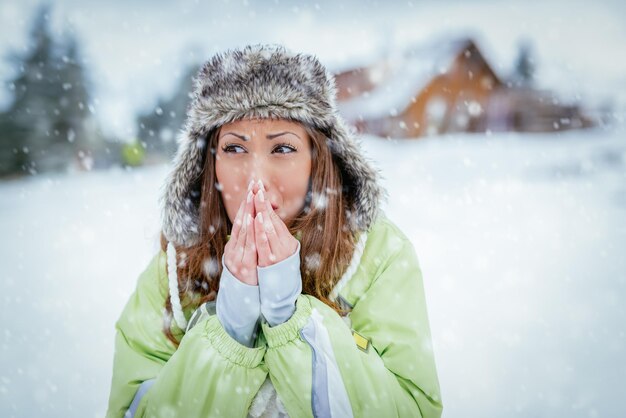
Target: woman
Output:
[{"x": 281, "y": 289}]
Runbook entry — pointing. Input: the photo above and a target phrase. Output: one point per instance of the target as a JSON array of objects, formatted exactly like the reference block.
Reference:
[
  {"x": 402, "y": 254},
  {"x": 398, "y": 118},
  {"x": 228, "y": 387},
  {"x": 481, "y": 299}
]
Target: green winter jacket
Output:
[{"x": 381, "y": 365}]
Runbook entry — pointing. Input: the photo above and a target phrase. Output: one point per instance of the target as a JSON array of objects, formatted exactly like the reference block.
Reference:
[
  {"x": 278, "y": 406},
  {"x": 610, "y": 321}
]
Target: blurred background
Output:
[{"x": 498, "y": 128}]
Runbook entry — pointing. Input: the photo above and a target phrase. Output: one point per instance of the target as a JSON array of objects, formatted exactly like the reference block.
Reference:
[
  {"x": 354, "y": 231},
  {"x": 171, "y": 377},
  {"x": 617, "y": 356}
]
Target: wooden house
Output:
[{"x": 447, "y": 86}]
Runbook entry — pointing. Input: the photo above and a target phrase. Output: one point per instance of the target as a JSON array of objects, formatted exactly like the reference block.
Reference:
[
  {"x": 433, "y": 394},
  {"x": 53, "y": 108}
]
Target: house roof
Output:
[{"x": 409, "y": 72}]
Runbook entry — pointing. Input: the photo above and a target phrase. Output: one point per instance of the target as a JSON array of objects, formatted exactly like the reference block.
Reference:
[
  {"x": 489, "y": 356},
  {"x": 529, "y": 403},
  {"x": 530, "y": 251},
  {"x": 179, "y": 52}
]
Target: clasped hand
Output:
[{"x": 259, "y": 237}]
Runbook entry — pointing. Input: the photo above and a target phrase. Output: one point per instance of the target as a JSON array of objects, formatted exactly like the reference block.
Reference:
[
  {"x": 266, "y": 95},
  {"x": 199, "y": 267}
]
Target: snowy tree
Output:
[
  {"x": 75, "y": 123},
  {"x": 159, "y": 126},
  {"x": 12, "y": 156},
  {"x": 46, "y": 124},
  {"x": 524, "y": 65},
  {"x": 36, "y": 92}
]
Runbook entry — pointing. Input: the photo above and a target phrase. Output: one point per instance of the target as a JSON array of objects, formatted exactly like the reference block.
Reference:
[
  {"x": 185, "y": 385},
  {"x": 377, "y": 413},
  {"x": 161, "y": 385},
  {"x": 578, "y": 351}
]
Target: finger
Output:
[
  {"x": 288, "y": 244},
  {"x": 260, "y": 239},
  {"x": 281, "y": 230},
  {"x": 262, "y": 242},
  {"x": 237, "y": 222},
  {"x": 250, "y": 255},
  {"x": 249, "y": 214},
  {"x": 261, "y": 207},
  {"x": 232, "y": 255},
  {"x": 268, "y": 226},
  {"x": 241, "y": 238}
]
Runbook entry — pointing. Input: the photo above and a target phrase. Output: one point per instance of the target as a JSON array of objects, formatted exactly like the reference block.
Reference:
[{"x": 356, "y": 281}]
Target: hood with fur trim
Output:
[{"x": 263, "y": 81}]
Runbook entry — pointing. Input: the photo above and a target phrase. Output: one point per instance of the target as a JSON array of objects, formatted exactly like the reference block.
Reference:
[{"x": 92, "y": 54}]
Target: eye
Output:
[
  {"x": 229, "y": 148},
  {"x": 286, "y": 149}
]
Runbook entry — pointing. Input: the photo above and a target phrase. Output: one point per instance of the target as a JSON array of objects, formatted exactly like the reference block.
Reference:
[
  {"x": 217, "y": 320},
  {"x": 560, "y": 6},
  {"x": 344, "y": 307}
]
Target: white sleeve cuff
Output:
[
  {"x": 238, "y": 307},
  {"x": 279, "y": 286}
]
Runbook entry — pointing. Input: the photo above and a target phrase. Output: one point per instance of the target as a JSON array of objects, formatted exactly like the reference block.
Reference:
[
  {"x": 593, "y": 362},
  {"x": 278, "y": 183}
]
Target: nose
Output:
[{"x": 260, "y": 171}]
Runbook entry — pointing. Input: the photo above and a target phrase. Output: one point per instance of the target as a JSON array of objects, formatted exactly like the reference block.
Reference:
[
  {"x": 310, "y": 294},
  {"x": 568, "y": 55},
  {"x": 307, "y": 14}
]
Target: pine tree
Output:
[
  {"x": 12, "y": 157},
  {"x": 158, "y": 128},
  {"x": 36, "y": 94},
  {"x": 525, "y": 65},
  {"x": 48, "y": 122},
  {"x": 75, "y": 123}
]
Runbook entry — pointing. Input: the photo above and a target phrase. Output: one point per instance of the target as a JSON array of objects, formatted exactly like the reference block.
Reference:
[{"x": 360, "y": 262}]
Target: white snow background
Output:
[{"x": 520, "y": 238}]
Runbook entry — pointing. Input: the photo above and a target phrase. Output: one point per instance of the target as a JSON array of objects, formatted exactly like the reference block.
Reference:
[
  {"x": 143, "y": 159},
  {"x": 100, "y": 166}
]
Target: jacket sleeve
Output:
[
  {"x": 157, "y": 379},
  {"x": 238, "y": 307},
  {"x": 392, "y": 373}
]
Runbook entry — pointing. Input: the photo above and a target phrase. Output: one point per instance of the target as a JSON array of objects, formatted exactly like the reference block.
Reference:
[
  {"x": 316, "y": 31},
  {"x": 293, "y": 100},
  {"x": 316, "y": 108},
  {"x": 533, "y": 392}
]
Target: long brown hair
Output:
[{"x": 324, "y": 256}]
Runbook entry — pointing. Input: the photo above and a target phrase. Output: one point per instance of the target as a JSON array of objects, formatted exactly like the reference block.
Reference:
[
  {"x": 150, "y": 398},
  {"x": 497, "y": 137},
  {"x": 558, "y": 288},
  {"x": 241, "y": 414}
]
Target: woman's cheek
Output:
[{"x": 227, "y": 187}]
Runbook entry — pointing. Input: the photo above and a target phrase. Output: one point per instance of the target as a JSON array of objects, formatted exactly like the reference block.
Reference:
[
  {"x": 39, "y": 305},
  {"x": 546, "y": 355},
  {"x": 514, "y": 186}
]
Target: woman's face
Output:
[{"x": 277, "y": 152}]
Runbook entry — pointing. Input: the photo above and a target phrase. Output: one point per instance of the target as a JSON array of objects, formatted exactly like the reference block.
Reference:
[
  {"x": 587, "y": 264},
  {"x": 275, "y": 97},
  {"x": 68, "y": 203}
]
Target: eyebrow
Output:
[{"x": 270, "y": 136}]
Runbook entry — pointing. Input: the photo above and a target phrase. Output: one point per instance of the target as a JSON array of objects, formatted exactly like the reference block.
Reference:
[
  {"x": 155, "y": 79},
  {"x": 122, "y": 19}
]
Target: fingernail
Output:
[
  {"x": 261, "y": 196},
  {"x": 250, "y": 184},
  {"x": 261, "y": 186},
  {"x": 249, "y": 199}
]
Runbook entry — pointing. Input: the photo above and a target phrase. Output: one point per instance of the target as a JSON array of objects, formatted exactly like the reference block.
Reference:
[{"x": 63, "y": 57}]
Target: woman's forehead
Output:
[{"x": 264, "y": 128}]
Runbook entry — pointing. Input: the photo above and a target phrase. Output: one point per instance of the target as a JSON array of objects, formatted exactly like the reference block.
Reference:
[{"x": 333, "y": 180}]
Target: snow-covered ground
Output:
[{"x": 519, "y": 238}]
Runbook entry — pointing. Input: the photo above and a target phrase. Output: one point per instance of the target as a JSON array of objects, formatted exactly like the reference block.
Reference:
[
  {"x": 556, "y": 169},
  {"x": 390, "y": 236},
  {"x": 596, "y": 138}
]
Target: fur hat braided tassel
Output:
[{"x": 172, "y": 276}]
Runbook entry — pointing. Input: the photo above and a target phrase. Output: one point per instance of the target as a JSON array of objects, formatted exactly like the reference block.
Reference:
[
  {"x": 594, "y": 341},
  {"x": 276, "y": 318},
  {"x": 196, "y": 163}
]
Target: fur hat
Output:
[{"x": 263, "y": 81}]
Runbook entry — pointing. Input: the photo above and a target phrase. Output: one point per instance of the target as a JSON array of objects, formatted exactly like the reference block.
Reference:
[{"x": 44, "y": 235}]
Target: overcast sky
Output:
[{"x": 136, "y": 51}]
